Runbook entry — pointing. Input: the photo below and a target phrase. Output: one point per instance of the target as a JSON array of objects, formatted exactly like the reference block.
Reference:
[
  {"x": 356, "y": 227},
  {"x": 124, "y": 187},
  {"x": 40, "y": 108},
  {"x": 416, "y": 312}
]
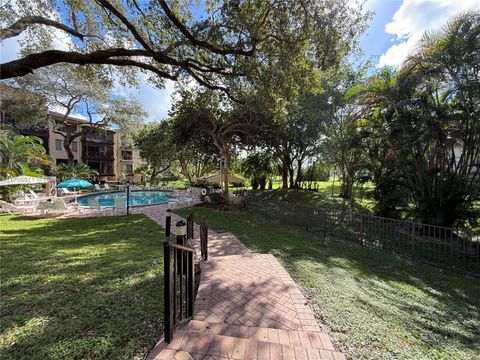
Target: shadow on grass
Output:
[
  {"x": 80, "y": 288},
  {"x": 379, "y": 304}
]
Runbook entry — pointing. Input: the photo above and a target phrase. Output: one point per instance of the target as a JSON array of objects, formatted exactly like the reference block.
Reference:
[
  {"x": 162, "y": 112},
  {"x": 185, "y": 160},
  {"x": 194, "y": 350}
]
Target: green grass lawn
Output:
[
  {"x": 379, "y": 306},
  {"x": 80, "y": 288},
  {"x": 322, "y": 198}
]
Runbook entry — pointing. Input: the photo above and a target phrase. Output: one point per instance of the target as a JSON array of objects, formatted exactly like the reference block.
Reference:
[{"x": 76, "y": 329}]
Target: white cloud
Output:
[
  {"x": 62, "y": 110},
  {"x": 9, "y": 48},
  {"x": 413, "y": 18},
  {"x": 156, "y": 102}
]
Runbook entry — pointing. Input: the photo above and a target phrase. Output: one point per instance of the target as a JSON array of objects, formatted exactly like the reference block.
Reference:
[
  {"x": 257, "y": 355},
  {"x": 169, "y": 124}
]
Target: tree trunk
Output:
[
  {"x": 299, "y": 178},
  {"x": 284, "y": 176},
  {"x": 263, "y": 183},
  {"x": 226, "y": 169},
  {"x": 66, "y": 145},
  {"x": 347, "y": 188},
  {"x": 291, "y": 177},
  {"x": 285, "y": 166}
]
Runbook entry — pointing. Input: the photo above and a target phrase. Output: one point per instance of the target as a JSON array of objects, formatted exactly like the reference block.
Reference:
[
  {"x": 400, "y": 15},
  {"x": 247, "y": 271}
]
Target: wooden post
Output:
[{"x": 168, "y": 292}]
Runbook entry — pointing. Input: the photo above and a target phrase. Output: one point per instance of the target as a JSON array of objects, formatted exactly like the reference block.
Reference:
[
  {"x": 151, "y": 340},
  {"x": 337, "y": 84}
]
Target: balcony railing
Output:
[
  {"x": 95, "y": 138},
  {"x": 98, "y": 156}
]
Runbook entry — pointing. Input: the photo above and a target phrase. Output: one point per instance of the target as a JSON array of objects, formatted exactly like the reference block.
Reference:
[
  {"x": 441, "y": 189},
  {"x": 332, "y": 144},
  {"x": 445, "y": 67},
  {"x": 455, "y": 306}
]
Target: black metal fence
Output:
[
  {"x": 448, "y": 246},
  {"x": 179, "y": 287},
  {"x": 190, "y": 226},
  {"x": 179, "y": 271},
  {"x": 204, "y": 239}
]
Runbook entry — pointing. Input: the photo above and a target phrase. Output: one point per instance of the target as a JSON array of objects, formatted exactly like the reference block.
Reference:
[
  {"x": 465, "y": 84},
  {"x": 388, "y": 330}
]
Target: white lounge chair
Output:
[
  {"x": 33, "y": 194},
  {"x": 14, "y": 209},
  {"x": 95, "y": 205},
  {"x": 106, "y": 187},
  {"x": 147, "y": 186},
  {"x": 23, "y": 199},
  {"x": 66, "y": 192},
  {"x": 58, "y": 204},
  {"x": 120, "y": 204},
  {"x": 97, "y": 187}
]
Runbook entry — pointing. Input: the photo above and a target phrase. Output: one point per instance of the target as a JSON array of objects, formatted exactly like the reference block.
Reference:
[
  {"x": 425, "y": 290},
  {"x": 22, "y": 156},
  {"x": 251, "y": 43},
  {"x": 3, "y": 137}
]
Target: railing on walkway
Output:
[
  {"x": 179, "y": 271},
  {"x": 190, "y": 226},
  {"x": 204, "y": 239},
  {"x": 449, "y": 246},
  {"x": 179, "y": 286}
]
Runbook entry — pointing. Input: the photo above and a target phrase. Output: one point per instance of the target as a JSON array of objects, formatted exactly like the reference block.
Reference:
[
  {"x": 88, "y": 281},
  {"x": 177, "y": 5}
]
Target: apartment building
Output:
[{"x": 100, "y": 149}]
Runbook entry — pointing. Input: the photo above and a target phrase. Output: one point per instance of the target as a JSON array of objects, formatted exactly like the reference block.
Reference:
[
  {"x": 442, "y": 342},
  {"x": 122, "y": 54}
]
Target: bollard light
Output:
[
  {"x": 181, "y": 233},
  {"x": 128, "y": 183},
  {"x": 181, "y": 228}
]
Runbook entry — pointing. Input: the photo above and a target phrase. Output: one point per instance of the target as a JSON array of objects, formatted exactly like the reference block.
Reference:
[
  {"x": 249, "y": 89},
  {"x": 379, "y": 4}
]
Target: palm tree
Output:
[
  {"x": 79, "y": 170},
  {"x": 258, "y": 167},
  {"x": 19, "y": 153}
]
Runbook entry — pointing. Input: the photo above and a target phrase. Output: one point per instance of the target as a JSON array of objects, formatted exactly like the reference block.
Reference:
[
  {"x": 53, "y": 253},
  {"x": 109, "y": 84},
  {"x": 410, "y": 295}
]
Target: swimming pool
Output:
[{"x": 137, "y": 198}]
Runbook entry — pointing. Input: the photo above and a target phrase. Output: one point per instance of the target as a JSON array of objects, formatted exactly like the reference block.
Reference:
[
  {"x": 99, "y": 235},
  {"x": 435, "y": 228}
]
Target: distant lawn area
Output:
[
  {"x": 321, "y": 198},
  {"x": 84, "y": 288},
  {"x": 379, "y": 306}
]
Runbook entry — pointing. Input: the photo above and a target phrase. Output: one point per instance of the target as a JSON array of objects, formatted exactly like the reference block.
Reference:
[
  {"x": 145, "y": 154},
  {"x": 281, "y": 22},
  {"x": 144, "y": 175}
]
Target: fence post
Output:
[
  {"x": 361, "y": 229},
  {"x": 168, "y": 223},
  {"x": 324, "y": 221},
  {"x": 190, "y": 226},
  {"x": 168, "y": 292},
  {"x": 306, "y": 219},
  {"x": 204, "y": 239},
  {"x": 413, "y": 239},
  {"x": 190, "y": 284}
]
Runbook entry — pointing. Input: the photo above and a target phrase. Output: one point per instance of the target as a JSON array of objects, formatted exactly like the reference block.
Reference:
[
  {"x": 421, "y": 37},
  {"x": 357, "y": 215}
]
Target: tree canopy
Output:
[
  {"x": 71, "y": 90},
  {"x": 209, "y": 42}
]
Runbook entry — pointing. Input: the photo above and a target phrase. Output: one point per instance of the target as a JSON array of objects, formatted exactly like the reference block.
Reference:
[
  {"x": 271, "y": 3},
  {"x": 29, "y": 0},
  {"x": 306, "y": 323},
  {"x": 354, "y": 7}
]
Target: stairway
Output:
[
  {"x": 205, "y": 340},
  {"x": 247, "y": 307}
]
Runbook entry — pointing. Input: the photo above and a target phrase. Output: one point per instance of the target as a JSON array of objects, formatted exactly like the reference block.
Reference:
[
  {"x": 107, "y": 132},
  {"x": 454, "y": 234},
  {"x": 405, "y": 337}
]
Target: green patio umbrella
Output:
[{"x": 74, "y": 183}]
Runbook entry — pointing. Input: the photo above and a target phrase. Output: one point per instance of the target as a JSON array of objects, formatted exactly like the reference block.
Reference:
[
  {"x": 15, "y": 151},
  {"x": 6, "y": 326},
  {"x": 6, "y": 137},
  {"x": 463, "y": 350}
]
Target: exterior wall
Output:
[
  {"x": 61, "y": 154},
  {"x": 99, "y": 153},
  {"x": 127, "y": 157}
]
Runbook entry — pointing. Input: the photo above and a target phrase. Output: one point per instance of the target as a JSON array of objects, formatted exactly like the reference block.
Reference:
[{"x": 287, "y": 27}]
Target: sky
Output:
[{"x": 392, "y": 33}]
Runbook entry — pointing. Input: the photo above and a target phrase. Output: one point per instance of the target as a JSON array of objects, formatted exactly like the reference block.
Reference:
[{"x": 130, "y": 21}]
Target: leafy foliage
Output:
[
  {"x": 79, "y": 91},
  {"x": 172, "y": 41},
  {"x": 258, "y": 167},
  {"x": 78, "y": 170},
  {"x": 20, "y": 153},
  {"x": 424, "y": 131}
]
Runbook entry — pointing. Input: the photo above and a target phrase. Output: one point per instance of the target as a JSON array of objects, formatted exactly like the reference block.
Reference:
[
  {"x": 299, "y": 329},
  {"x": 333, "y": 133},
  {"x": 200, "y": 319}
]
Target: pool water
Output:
[{"x": 136, "y": 198}]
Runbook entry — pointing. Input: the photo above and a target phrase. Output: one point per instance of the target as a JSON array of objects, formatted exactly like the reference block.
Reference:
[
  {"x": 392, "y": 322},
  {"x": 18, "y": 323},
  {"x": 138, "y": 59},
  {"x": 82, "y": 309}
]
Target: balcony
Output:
[
  {"x": 98, "y": 138},
  {"x": 108, "y": 156}
]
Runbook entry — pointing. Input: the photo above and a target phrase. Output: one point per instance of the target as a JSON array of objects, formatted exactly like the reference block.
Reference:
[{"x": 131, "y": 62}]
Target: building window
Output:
[
  {"x": 127, "y": 155},
  {"x": 74, "y": 146},
  {"x": 58, "y": 145},
  {"x": 127, "y": 169}
]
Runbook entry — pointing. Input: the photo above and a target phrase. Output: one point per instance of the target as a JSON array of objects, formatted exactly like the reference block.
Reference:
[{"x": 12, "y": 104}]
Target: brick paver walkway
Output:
[{"x": 247, "y": 307}]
